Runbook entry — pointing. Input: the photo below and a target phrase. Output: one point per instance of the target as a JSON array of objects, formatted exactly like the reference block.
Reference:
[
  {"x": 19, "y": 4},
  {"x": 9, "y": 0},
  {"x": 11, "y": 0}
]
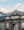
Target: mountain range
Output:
[{"x": 11, "y": 13}]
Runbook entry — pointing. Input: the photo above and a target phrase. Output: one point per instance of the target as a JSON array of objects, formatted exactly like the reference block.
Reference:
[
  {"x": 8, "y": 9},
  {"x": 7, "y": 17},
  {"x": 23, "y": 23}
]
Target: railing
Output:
[{"x": 15, "y": 17}]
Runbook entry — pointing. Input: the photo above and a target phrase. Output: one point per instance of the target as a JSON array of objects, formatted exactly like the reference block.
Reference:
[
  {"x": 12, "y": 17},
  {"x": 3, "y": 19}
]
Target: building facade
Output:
[{"x": 15, "y": 22}]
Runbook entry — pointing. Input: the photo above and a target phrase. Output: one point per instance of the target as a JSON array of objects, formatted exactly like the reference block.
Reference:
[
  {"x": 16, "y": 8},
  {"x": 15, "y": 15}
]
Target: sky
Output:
[{"x": 10, "y": 5}]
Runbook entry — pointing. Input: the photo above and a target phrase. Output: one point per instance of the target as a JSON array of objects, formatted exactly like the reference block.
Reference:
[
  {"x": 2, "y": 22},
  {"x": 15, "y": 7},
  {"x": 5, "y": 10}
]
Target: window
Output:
[
  {"x": 22, "y": 17},
  {"x": 22, "y": 25},
  {"x": 14, "y": 17},
  {"x": 2, "y": 26},
  {"x": 7, "y": 18},
  {"x": 7, "y": 26}
]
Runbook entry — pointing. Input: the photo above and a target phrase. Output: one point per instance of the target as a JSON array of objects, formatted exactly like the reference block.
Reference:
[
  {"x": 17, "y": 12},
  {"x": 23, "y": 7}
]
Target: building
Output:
[{"x": 12, "y": 22}]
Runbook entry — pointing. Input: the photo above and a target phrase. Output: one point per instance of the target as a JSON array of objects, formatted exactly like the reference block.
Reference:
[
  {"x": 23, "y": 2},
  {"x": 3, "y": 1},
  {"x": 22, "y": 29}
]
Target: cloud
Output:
[
  {"x": 10, "y": 10},
  {"x": 3, "y": 0},
  {"x": 4, "y": 10},
  {"x": 8, "y": 7},
  {"x": 19, "y": 6}
]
